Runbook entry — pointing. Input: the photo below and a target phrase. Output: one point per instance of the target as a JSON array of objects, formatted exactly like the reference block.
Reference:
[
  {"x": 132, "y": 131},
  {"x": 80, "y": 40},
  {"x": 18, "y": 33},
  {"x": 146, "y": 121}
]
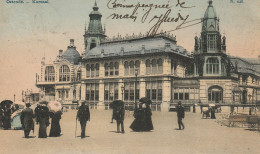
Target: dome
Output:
[
  {"x": 71, "y": 54},
  {"x": 210, "y": 20}
]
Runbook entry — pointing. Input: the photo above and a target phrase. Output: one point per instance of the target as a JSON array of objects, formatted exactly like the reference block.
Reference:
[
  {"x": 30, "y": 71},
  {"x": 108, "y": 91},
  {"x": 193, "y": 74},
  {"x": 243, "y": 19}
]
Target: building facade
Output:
[{"x": 131, "y": 67}]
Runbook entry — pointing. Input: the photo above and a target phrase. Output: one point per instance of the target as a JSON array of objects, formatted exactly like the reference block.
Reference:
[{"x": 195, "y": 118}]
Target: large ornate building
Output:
[{"x": 156, "y": 67}]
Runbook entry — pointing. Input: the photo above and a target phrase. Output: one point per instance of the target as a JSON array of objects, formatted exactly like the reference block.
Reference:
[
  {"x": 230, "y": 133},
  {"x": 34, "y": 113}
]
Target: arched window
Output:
[
  {"x": 215, "y": 94},
  {"x": 116, "y": 68},
  {"x": 74, "y": 94},
  {"x": 49, "y": 74},
  {"x": 126, "y": 68},
  {"x": 106, "y": 69},
  {"x": 132, "y": 68},
  {"x": 111, "y": 68},
  {"x": 97, "y": 69},
  {"x": 160, "y": 66},
  {"x": 148, "y": 66},
  {"x": 212, "y": 66},
  {"x": 93, "y": 44},
  {"x": 154, "y": 67},
  {"x": 92, "y": 70},
  {"x": 64, "y": 73},
  {"x": 79, "y": 75},
  {"x": 137, "y": 66},
  {"x": 88, "y": 70}
]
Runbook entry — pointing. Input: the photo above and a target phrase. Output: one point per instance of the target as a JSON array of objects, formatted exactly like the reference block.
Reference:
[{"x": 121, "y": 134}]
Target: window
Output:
[
  {"x": 129, "y": 92},
  {"x": 148, "y": 66},
  {"x": 154, "y": 90},
  {"x": 186, "y": 96},
  {"x": 116, "y": 68},
  {"x": 88, "y": 70},
  {"x": 212, "y": 66},
  {"x": 79, "y": 75},
  {"x": 154, "y": 67},
  {"x": 137, "y": 66},
  {"x": 111, "y": 91},
  {"x": 97, "y": 70},
  {"x": 126, "y": 68},
  {"x": 49, "y": 74},
  {"x": 211, "y": 42},
  {"x": 175, "y": 96},
  {"x": 92, "y": 92},
  {"x": 160, "y": 66},
  {"x": 111, "y": 68},
  {"x": 132, "y": 68},
  {"x": 64, "y": 73},
  {"x": 106, "y": 69}
]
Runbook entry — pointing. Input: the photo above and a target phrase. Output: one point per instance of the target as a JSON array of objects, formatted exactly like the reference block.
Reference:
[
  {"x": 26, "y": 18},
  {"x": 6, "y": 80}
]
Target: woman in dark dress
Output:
[
  {"x": 137, "y": 124},
  {"x": 55, "y": 124},
  {"x": 148, "y": 124},
  {"x": 212, "y": 112},
  {"x": 43, "y": 120}
]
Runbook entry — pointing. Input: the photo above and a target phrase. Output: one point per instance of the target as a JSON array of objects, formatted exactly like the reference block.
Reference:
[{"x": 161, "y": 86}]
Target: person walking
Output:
[
  {"x": 119, "y": 117},
  {"x": 7, "y": 117},
  {"x": 180, "y": 115},
  {"x": 27, "y": 120},
  {"x": 43, "y": 120},
  {"x": 55, "y": 124},
  {"x": 83, "y": 115}
]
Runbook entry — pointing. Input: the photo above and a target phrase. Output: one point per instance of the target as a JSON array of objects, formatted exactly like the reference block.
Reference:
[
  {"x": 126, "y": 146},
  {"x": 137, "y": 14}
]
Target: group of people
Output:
[
  {"x": 42, "y": 115},
  {"x": 5, "y": 115}
]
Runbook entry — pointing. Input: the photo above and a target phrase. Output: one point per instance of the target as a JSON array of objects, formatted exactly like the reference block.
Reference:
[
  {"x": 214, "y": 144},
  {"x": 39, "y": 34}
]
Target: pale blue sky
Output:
[{"x": 30, "y": 31}]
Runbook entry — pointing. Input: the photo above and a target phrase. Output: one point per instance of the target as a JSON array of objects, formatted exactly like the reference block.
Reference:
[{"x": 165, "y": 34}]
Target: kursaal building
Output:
[{"x": 137, "y": 66}]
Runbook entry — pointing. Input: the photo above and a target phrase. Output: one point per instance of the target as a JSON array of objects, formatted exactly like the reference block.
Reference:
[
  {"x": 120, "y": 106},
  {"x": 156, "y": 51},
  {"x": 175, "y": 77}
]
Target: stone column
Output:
[
  {"x": 142, "y": 88},
  {"x": 166, "y": 92},
  {"x": 101, "y": 105}
]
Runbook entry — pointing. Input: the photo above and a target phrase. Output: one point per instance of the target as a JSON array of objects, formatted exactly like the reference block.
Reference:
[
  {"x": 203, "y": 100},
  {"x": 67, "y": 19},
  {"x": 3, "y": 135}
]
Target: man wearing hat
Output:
[
  {"x": 27, "y": 120},
  {"x": 83, "y": 116},
  {"x": 180, "y": 115}
]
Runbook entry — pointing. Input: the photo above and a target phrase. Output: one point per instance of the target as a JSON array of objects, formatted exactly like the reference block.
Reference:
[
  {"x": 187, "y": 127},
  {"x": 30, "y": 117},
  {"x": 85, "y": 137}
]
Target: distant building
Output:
[{"x": 155, "y": 67}]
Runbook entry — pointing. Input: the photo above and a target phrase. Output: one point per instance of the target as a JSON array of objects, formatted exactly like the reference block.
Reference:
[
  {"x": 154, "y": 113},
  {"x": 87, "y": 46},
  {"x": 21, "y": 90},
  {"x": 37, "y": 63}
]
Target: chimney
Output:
[
  {"x": 60, "y": 52},
  {"x": 72, "y": 42}
]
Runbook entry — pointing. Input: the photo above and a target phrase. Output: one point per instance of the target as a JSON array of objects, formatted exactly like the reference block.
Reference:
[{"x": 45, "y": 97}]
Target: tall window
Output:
[
  {"x": 116, "y": 68},
  {"x": 111, "y": 69},
  {"x": 97, "y": 70},
  {"x": 126, "y": 68},
  {"x": 131, "y": 66},
  {"x": 160, "y": 66},
  {"x": 106, "y": 69},
  {"x": 154, "y": 90},
  {"x": 88, "y": 70},
  {"x": 154, "y": 66},
  {"x": 212, "y": 66},
  {"x": 148, "y": 66},
  {"x": 137, "y": 66},
  {"x": 212, "y": 42},
  {"x": 129, "y": 93},
  {"x": 49, "y": 74},
  {"x": 92, "y": 92},
  {"x": 92, "y": 70},
  {"x": 111, "y": 91},
  {"x": 64, "y": 73},
  {"x": 79, "y": 75}
]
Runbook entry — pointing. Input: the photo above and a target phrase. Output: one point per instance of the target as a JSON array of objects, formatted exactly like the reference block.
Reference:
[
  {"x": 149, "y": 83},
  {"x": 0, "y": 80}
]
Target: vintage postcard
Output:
[{"x": 130, "y": 76}]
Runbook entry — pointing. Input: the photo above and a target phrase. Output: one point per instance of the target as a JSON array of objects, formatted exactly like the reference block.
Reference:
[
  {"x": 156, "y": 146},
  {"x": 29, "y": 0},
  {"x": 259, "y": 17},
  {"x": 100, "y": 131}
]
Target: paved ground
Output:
[{"x": 199, "y": 136}]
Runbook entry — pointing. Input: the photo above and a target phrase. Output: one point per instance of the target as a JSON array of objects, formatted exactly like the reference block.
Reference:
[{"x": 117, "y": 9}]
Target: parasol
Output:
[
  {"x": 117, "y": 103},
  {"x": 5, "y": 102},
  {"x": 20, "y": 104},
  {"x": 54, "y": 106},
  {"x": 145, "y": 100}
]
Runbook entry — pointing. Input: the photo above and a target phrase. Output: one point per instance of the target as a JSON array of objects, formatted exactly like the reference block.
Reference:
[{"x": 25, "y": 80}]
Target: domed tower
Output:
[
  {"x": 210, "y": 50},
  {"x": 95, "y": 34},
  {"x": 71, "y": 54}
]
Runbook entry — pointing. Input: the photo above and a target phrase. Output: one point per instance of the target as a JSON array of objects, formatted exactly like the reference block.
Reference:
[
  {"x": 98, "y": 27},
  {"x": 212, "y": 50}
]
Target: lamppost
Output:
[
  {"x": 136, "y": 73},
  {"x": 14, "y": 97},
  {"x": 122, "y": 92},
  {"x": 250, "y": 111}
]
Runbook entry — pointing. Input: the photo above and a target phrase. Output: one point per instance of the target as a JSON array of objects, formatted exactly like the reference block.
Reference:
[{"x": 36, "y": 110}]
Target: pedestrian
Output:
[
  {"x": 194, "y": 108},
  {"x": 27, "y": 120},
  {"x": 83, "y": 116},
  {"x": 55, "y": 124},
  {"x": 180, "y": 115},
  {"x": 114, "y": 113},
  {"x": 36, "y": 112},
  {"x": 43, "y": 120},
  {"x": 212, "y": 112},
  {"x": 148, "y": 124},
  {"x": 119, "y": 117},
  {"x": 7, "y": 117},
  {"x": 139, "y": 119}
]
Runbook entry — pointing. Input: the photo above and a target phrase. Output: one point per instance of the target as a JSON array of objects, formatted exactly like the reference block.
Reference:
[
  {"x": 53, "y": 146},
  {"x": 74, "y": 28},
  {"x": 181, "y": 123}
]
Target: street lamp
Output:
[
  {"x": 136, "y": 73},
  {"x": 122, "y": 92},
  {"x": 249, "y": 105}
]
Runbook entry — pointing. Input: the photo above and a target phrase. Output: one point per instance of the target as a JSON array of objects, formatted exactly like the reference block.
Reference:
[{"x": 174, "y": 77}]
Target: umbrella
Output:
[
  {"x": 54, "y": 106},
  {"x": 210, "y": 105},
  {"x": 117, "y": 103},
  {"x": 5, "y": 102},
  {"x": 43, "y": 102},
  {"x": 20, "y": 103},
  {"x": 145, "y": 100}
]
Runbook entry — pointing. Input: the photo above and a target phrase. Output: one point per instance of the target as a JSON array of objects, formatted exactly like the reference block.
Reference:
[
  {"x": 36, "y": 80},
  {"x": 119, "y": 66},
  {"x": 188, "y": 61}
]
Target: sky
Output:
[{"x": 31, "y": 31}]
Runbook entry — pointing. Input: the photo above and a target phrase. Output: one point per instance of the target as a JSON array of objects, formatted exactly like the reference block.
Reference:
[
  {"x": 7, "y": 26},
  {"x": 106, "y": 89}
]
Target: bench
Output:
[
  {"x": 240, "y": 119},
  {"x": 253, "y": 121}
]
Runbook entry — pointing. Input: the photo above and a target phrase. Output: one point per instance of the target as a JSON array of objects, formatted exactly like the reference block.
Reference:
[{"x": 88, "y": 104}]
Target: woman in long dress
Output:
[
  {"x": 43, "y": 120},
  {"x": 55, "y": 124},
  {"x": 148, "y": 124},
  {"x": 137, "y": 124}
]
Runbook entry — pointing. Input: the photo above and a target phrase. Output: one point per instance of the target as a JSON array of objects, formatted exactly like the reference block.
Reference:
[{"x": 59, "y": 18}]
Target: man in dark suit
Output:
[
  {"x": 119, "y": 117},
  {"x": 180, "y": 115},
  {"x": 83, "y": 116},
  {"x": 27, "y": 120}
]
